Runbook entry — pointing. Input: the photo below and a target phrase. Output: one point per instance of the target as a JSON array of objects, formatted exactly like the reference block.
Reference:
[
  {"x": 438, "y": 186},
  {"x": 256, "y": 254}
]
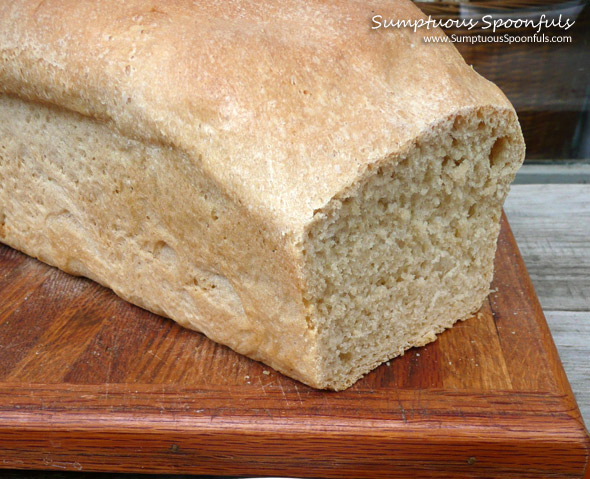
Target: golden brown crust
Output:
[{"x": 234, "y": 84}]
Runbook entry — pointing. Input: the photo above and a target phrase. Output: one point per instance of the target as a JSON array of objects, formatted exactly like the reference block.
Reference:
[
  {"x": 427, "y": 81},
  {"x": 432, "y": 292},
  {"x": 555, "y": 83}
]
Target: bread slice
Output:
[{"x": 312, "y": 193}]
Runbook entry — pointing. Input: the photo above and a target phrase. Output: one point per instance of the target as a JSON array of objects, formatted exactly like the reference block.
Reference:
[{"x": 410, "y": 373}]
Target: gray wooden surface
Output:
[{"x": 551, "y": 224}]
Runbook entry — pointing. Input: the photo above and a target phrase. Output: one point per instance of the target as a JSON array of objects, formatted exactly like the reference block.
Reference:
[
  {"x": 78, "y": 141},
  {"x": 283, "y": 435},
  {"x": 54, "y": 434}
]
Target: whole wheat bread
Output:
[{"x": 313, "y": 193}]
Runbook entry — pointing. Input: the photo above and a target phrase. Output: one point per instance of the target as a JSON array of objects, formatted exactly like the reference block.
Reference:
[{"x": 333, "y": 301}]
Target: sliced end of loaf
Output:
[{"x": 408, "y": 249}]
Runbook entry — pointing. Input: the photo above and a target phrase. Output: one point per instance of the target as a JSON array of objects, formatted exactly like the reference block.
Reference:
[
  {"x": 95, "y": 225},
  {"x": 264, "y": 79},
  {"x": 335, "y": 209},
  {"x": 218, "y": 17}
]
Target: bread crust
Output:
[{"x": 282, "y": 103}]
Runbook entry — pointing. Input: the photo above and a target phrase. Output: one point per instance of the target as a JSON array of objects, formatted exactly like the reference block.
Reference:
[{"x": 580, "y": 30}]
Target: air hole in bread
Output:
[
  {"x": 498, "y": 154},
  {"x": 165, "y": 252},
  {"x": 2, "y": 223}
]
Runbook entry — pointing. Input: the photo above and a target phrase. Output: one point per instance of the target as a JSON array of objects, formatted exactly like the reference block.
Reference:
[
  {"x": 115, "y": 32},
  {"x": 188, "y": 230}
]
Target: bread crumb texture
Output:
[
  {"x": 409, "y": 249},
  {"x": 313, "y": 194}
]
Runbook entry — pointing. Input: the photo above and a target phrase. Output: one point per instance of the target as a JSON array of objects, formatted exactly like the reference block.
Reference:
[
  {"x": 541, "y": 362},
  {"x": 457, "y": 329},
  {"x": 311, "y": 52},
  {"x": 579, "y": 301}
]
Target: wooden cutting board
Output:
[{"x": 90, "y": 382}]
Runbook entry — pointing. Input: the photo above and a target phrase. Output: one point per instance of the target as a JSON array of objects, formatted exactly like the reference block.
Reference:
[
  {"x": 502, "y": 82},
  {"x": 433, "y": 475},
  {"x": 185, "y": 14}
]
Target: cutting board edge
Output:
[{"x": 47, "y": 438}]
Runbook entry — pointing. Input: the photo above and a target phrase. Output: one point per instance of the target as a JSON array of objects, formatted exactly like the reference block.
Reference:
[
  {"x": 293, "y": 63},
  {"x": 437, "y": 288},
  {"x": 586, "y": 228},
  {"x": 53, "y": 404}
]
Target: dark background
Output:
[{"x": 548, "y": 83}]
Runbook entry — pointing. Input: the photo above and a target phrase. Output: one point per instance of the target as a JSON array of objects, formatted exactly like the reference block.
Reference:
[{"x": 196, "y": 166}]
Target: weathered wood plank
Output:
[
  {"x": 571, "y": 333},
  {"x": 551, "y": 224}
]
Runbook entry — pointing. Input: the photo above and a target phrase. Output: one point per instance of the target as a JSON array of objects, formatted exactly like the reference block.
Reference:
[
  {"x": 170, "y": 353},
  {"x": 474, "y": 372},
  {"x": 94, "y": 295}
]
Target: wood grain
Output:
[
  {"x": 89, "y": 382},
  {"x": 552, "y": 225},
  {"x": 571, "y": 331}
]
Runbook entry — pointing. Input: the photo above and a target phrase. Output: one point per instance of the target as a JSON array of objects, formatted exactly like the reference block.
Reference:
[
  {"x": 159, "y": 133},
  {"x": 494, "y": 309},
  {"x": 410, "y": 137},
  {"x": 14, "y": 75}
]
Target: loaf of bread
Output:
[{"x": 310, "y": 191}]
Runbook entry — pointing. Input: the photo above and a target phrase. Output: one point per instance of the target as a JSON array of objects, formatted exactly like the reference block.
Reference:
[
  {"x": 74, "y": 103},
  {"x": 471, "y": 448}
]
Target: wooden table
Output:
[{"x": 551, "y": 224}]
